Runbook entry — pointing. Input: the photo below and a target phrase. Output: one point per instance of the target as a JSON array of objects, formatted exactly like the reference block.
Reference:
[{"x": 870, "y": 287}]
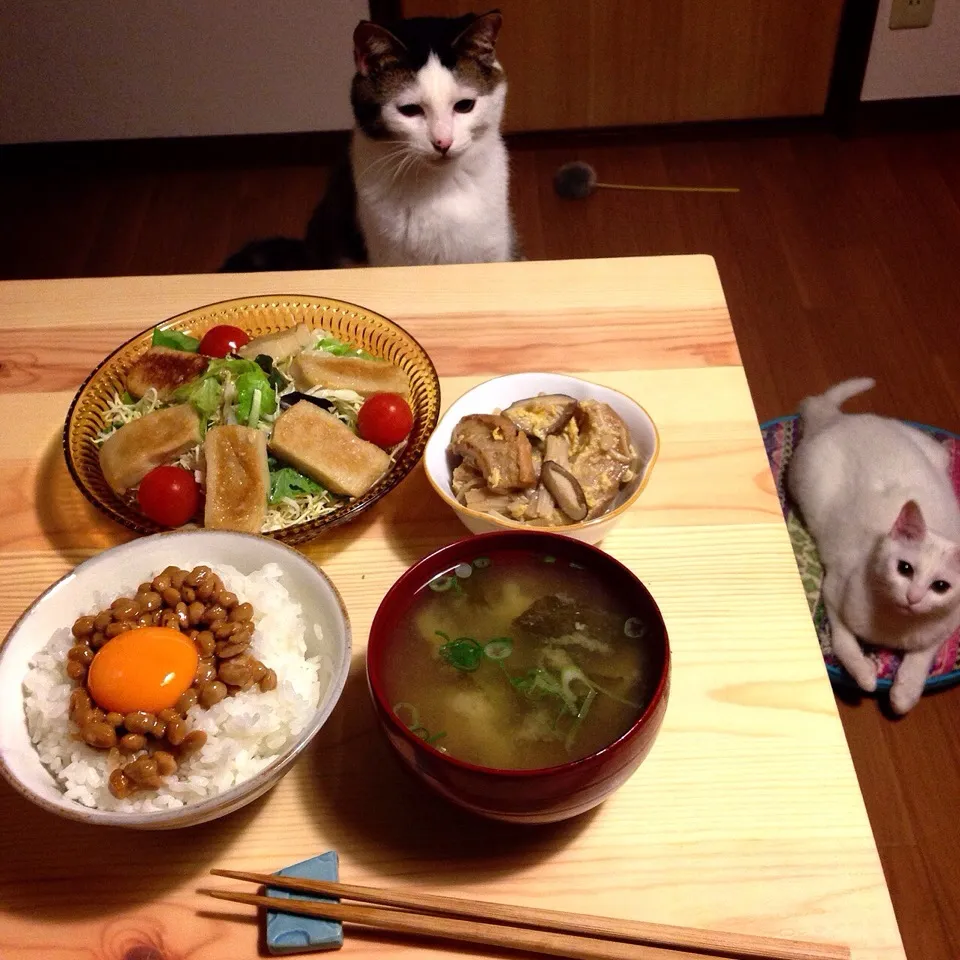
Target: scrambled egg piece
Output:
[{"x": 572, "y": 433}]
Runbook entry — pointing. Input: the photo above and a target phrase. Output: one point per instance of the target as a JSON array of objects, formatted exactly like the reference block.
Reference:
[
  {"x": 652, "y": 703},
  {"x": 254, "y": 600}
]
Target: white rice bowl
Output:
[{"x": 245, "y": 732}]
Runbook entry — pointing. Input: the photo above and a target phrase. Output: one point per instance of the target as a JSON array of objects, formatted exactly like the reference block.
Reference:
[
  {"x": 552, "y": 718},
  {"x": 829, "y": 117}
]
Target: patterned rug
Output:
[{"x": 780, "y": 437}]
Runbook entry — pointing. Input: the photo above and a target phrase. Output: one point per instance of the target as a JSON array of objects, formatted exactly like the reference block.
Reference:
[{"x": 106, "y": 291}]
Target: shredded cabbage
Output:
[
  {"x": 121, "y": 411},
  {"x": 346, "y": 403},
  {"x": 303, "y": 509}
]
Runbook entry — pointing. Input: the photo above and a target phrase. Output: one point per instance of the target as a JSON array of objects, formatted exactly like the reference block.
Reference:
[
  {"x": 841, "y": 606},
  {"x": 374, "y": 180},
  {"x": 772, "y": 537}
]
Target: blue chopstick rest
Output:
[{"x": 287, "y": 933}]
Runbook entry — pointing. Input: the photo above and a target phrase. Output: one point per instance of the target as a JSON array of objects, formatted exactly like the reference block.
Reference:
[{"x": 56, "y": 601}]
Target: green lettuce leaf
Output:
[
  {"x": 248, "y": 385},
  {"x": 175, "y": 340},
  {"x": 340, "y": 349},
  {"x": 233, "y": 367},
  {"x": 287, "y": 482},
  {"x": 205, "y": 396}
]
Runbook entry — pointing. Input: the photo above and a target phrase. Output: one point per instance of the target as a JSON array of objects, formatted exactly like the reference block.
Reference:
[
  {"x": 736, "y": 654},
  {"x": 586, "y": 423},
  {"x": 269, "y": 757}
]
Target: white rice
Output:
[{"x": 244, "y": 732}]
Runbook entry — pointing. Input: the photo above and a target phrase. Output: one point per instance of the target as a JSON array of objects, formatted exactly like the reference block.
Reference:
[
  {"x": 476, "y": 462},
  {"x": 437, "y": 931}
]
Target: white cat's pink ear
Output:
[
  {"x": 909, "y": 524},
  {"x": 480, "y": 38},
  {"x": 373, "y": 45}
]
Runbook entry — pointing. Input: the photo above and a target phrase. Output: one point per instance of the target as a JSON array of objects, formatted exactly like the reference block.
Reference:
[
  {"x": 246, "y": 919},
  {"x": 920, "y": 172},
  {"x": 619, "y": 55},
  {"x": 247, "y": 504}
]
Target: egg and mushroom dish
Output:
[{"x": 549, "y": 460}]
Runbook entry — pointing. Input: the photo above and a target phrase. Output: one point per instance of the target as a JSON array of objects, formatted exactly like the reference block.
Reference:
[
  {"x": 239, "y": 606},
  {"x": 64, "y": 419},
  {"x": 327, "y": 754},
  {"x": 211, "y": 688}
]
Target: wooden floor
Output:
[{"x": 838, "y": 257}]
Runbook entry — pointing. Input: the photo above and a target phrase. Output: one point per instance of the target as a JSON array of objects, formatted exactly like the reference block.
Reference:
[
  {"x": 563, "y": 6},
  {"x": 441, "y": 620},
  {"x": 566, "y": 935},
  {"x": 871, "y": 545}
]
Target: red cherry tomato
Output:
[
  {"x": 221, "y": 340},
  {"x": 384, "y": 419},
  {"x": 169, "y": 496}
]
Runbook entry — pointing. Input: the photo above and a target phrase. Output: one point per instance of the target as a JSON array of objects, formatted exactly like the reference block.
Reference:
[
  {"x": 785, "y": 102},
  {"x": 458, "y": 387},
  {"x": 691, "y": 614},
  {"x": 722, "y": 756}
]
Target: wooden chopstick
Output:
[
  {"x": 631, "y": 931},
  {"x": 469, "y": 931}
]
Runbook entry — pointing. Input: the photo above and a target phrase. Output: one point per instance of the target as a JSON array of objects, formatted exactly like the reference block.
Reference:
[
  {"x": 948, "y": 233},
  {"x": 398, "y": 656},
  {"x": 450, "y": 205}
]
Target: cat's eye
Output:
[
  {"x": 464, "y": 106},
  {"x": 410, "y": 109},
  {"x": 939, "y": 586},
  {"x": 904, "y": 569}
]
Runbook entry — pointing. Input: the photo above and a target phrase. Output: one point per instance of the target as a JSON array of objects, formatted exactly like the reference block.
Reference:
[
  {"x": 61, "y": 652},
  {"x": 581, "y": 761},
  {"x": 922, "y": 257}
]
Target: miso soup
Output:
[{"x": 520, "y": 661}]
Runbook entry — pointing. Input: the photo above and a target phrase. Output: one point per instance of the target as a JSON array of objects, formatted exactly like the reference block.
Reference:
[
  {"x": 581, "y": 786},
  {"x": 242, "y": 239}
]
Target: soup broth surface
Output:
[{"x": 520, "y": 661}]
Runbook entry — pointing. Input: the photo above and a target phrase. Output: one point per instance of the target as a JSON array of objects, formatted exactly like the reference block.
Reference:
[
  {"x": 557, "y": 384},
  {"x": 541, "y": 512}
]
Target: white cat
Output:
[
  {"x": 877, "y": 498},
  {"x": 429, "y": 165}
]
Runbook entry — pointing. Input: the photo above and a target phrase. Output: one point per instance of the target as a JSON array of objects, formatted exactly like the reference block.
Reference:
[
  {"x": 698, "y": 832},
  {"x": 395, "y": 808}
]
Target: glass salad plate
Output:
[{"x": 90, "y": 413}]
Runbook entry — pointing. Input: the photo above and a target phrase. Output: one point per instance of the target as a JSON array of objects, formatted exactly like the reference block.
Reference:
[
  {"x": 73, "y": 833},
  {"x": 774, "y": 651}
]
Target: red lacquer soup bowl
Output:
[{"x": 522, "y": 796}]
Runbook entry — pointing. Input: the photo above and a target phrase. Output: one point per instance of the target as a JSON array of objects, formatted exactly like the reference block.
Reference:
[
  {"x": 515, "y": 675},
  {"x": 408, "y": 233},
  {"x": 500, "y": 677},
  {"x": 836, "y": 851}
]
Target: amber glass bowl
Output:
[{"x": 256, "y": 315}]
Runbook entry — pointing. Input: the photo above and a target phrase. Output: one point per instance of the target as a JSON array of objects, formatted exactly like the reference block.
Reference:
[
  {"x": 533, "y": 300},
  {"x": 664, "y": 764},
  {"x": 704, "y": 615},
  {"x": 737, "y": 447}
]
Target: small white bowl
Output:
[
  {"x": 499, "y": 393},
  {"x": 76, "y": 593}
]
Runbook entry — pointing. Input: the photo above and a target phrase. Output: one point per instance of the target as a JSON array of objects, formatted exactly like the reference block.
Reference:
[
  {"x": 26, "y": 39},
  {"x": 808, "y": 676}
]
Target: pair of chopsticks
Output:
[{"x": 550, "y": 932}]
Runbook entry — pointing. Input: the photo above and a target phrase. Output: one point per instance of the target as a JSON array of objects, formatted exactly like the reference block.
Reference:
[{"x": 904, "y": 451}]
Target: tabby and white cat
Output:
[
  {"x": 876, "y": 496},
  {"x": 427, "y": 178}
]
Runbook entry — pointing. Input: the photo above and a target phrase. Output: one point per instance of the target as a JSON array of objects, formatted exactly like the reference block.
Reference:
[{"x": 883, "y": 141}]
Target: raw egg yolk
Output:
[{"x": 143, "y": 669}]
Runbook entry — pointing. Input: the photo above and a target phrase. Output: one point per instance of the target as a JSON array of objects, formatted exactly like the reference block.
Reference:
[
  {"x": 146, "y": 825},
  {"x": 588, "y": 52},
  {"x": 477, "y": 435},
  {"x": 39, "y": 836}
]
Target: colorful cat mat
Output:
[{"x": 780, "y": 438}]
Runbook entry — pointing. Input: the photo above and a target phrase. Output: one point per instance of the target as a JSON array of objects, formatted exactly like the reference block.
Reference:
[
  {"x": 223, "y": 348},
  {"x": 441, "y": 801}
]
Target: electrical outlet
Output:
[{"x": 905, "y": 14}]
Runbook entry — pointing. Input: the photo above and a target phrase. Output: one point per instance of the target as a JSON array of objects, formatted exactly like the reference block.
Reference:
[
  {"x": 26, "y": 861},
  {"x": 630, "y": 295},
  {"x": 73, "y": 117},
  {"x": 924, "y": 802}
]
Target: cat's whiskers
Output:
[
  {"x": 399, "y": 163},
  {"x": 388, "y": 150},
  {"x": 406, "y": 163},
  {"x": 394, "y": 154}
]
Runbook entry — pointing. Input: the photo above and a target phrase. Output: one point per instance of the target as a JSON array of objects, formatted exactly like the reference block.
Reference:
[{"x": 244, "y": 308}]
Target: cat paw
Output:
[
  {"x": 903, "y": 697},
  {"x": 866, "y": 675}
]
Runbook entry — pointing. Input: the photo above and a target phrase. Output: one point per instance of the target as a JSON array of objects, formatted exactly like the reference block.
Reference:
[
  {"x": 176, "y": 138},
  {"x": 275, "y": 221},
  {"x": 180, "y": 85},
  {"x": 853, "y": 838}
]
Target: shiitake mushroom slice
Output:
[
  {"x": 543, "y": 415},
  {"x": 565, "y": 488}
]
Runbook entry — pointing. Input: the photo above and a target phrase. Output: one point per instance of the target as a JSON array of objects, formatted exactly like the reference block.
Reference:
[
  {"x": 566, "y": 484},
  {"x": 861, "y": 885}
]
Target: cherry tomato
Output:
[
  {"x": 169, "y": 496},
  {"x": 221, "y": 340},
  {"x": 384, "y": 419}
]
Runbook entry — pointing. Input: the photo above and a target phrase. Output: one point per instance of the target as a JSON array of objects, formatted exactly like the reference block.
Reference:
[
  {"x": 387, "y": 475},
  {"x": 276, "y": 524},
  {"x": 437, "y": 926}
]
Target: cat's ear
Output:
[
  {"x": 374, "y": 46},
  {"x": 479, "y": 39},
  {"x": 909, "y": 524}
]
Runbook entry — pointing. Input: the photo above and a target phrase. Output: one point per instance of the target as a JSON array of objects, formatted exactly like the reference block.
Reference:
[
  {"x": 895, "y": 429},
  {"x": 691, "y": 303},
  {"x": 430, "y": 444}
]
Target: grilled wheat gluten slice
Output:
[
  {"x": 366, "y": 377},
  {"x": 133, "y": 450},
  {"x": 164, "y": 369},
  {"x": 327, "y": 450},
  {"x": 280, "y": 345},
  {"x": 238, "y": 479}
]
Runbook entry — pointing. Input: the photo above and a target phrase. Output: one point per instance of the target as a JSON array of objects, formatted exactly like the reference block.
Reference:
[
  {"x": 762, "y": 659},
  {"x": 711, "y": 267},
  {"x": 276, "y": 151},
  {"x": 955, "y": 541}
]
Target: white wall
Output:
[
  {"x": 103, "y": 69},
  {"x": 915, "y": 63}
]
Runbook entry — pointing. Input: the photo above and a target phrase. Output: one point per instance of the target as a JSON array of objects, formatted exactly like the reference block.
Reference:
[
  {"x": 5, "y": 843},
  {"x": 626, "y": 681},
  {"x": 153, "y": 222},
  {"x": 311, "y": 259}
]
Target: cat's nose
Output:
[{"x": 442, "y": 145}]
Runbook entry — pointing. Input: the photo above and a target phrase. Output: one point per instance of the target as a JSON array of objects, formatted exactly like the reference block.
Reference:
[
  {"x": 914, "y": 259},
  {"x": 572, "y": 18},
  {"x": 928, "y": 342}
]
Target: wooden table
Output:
[{"x": 746, "y": 816}]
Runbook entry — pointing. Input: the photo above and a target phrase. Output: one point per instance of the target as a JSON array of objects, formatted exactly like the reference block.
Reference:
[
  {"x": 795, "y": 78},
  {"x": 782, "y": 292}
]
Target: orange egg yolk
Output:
[{"x": 143, "y": 669}]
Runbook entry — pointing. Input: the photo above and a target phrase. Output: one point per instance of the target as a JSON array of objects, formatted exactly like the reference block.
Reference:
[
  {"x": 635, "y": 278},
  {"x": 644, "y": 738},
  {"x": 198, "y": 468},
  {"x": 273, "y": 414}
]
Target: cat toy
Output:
[{"x": 577, "y": 180}]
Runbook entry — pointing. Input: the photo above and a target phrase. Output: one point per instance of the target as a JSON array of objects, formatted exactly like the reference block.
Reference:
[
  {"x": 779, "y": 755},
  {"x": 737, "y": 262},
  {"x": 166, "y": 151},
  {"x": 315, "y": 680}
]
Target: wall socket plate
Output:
[{"x": 907, "y": 14}]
